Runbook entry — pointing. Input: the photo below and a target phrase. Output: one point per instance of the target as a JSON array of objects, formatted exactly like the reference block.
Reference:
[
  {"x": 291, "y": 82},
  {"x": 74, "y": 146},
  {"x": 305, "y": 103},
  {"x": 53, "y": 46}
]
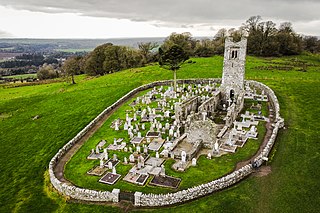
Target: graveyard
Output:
[
  {"x": 154, "y": 139},
  {"x": 293, "y": 163}
]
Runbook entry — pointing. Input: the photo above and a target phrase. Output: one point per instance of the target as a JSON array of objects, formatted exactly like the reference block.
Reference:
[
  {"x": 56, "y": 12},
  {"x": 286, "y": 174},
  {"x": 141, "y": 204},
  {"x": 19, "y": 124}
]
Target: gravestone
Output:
[
  {"x": 194, "y": 161},
  {"x": 110, "y": 165},
  {"x": 131, "y": 158}
]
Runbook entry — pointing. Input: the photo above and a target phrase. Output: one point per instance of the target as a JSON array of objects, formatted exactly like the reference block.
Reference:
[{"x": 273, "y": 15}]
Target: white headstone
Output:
[
  {"x": 130, "y": 149},
  {"x": 138, "y": 149},
  {"x": 97, "y": 150},
  {"x": 116, "y": 126},
  {"x": 157, "y": 155},
  {"x": 131, "y": 158},
  {"x": 110, "y": 165},
  {"x": 114, "y": 170},
  {"x": 183, "y": 156},
  {"x": 101, "y": 163},
  {"x": 139, "y": 134},
  {"x": 194, "y": 162},
  {"x": 125, "y": 160},
  {"x": 115, "y": 157},
  {"x": 209, "y": 155},
  {"x": 125, "y": 127}
]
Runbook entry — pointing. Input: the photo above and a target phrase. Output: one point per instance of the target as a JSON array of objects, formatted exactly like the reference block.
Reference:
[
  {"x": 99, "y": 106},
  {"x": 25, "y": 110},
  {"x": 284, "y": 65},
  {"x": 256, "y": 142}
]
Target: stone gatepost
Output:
[
  {"x": 116, "y": 193},
  {"x": 137, "y": 196}
]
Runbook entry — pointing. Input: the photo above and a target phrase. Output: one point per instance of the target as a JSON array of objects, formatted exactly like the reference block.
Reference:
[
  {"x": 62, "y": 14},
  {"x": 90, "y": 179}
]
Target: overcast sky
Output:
[{"x": 147, "y": 18}]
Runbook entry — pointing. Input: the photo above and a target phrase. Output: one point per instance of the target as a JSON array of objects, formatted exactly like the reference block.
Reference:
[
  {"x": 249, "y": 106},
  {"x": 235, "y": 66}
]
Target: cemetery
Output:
[{"x": 159, "y": 136}]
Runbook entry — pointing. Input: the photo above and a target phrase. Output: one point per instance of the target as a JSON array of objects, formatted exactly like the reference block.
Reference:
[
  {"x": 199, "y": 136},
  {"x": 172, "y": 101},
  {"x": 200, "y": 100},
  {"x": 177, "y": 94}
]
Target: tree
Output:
[
  {"x": 172, "y": 59},
  {"x": 184, "y": 40},
  {"x": 72, "y": 67},
  {"x": 145, "y": 50},
  {"x": 46, "y": 71}
]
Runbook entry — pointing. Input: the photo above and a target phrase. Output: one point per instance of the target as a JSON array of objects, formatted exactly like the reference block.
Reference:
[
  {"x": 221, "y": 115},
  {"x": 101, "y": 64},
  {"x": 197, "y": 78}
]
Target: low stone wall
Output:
[
  {"x": 161, "y": 199},
  {"x": 194, "y": 192}
]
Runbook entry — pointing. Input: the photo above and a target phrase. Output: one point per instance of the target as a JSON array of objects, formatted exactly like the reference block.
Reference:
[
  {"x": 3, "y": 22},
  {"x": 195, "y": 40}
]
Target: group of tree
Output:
[
  {"x": 264, "y": 39},
  {"x": 109, "y": 58}
]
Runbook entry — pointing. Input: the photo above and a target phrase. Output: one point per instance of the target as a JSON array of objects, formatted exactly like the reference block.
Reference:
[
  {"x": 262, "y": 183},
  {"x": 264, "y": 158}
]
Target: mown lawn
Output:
[{"x": 27, "y": 145}]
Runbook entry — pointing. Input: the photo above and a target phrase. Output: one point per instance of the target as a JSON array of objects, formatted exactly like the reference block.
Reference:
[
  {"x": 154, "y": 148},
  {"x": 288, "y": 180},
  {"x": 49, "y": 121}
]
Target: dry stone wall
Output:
[{"x": 170, "y": 198}]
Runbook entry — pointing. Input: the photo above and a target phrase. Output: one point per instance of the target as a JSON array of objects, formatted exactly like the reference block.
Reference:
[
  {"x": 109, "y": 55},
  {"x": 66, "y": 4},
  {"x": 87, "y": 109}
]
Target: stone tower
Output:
[{"x": 233, "y": 69}]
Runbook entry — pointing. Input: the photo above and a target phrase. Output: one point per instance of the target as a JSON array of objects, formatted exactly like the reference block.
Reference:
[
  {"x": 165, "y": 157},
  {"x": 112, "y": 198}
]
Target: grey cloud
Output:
[
  {"x": 4, "y": 34},
  {"x": 179, "y": 12}
]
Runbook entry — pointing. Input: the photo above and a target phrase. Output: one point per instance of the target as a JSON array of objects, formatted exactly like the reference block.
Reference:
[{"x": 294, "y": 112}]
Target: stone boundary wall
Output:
[{"x": 161, "y": 199}]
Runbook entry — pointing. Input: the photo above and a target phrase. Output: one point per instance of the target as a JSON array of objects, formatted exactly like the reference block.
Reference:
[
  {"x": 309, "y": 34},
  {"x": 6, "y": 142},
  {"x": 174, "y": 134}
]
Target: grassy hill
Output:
[{"x": 28, "y": 144}]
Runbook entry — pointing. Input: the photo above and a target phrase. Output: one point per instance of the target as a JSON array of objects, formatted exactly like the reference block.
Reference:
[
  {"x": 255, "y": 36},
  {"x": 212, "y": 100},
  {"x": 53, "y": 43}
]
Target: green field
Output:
[
  {"x": 23, "y": 76},
  {"x": 27, "y": 145},
  {"x": 75, "y": 50}
]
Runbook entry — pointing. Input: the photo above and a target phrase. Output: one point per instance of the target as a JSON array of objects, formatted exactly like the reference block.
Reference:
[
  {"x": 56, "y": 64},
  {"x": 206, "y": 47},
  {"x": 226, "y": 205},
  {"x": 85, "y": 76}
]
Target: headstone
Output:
[
  {"x": 171, "y": 132},
  {"x": 130, "y": 149},
  {"x": 143, "y": 127},
  {"x": 131, "y": 158},
  {"x": 125, "y": 149},
  {"x": 183, "y": 156},
  {"x": 172, "y": 155},
  {"x": 101, "y": 163},
  {"x": 139, "y": 134},
  {"x": 110, "y": 165},
  {"x": 125, "y": 160},
  {"x": 194, "y": 162},
  {"x": 116, "y": 126},
  {"x": 97, "y": 150},
  {"x": 106, "y": 157},
  {"x": 157, "y": 155},
  {"x": 125, "y": 127},
  {"x": 92, "y": 151},
  {"x": 209, "y": 155},
  {"x": 134, "y": 116},
  {"x": 115, "y": 157},
  {"x": 138, "y": 149},
  {"x": 114, "y": 170},
  {"x": 145, "y": 150},
  {"x": 115, "y": 141}
]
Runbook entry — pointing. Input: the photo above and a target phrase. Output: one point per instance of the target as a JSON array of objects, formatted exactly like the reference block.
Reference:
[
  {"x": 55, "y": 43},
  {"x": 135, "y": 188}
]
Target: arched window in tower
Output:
[{"x": 232, "y": 95}]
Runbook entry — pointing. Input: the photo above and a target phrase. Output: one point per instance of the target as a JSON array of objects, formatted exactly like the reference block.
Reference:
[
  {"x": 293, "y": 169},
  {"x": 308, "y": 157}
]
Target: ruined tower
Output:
[{"x": 233, "y": 69}]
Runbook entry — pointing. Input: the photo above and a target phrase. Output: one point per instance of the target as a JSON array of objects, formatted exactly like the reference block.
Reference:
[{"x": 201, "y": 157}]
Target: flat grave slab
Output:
[
  {"x": 180, "y": 166},
  {"x": 228, "y": 148},
  {"x": 165, "y": 181},
  {"x": 153, "y": 134},
  {"x": 114, "y": 162},
  {"x": 110, "y": 178},
  {"x": 156, "y": 144},
  {"x": 136, "y": 140},
  {"x": 152, "y": 161},
  {"x": 95, "y": 156},
  {"x": 116, "y": 147},
  {"x": 97, "y": 171}
]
